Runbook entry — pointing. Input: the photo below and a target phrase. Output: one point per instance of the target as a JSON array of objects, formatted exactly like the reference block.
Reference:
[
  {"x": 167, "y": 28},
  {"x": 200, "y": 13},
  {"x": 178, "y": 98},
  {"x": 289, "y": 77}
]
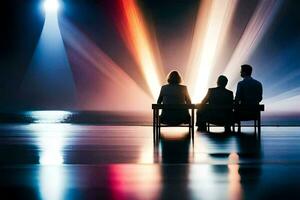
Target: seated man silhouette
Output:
[
  {"x": 174, "y": 93},
  {"x": 218, "y": 97},
  {"x": 249, "y": 92}
]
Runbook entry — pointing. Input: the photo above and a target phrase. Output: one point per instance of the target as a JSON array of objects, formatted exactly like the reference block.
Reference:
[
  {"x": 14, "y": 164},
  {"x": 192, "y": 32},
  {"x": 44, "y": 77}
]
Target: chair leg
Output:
[
  {"x": 255, "y": 126},
  {"x": 193, "y": 118},
  {"x": 158, "y": 126},
  {"x": 259, "y": 126},
  {"x": 239, "y": 127},
  {"x": 154, "y": 125},
  {"x": 158, "y": 135}
]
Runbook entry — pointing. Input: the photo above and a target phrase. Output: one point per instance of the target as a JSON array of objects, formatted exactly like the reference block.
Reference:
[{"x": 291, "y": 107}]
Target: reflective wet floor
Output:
[{"x": 68, "y": 161}]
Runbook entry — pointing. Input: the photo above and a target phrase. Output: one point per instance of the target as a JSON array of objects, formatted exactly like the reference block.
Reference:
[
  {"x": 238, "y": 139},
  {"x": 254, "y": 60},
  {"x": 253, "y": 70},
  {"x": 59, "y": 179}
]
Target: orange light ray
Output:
[{"x": 137, "y": 38}]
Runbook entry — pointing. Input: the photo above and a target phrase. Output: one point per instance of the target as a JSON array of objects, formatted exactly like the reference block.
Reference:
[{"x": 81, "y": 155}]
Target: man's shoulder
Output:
[
  {"x": 220, "y": 90},
  {"x": 256, "y": 81},
  {"x": 211, "y": 90},
  {"x": 248, "y": 80},
  {"x": 228, "y": 91},
  {"x": 241, "y": 82}
]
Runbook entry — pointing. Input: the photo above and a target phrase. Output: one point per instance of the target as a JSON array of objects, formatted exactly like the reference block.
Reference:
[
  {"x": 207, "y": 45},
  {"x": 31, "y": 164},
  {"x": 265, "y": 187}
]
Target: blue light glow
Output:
[
  {"x": 51, "y": 5},
  {"x": 49, "y": 82}
]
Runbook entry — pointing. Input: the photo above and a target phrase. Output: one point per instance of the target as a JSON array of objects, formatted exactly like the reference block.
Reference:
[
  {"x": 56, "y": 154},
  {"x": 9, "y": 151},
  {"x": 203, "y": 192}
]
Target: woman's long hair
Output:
[{"x": 174, "y": 77}]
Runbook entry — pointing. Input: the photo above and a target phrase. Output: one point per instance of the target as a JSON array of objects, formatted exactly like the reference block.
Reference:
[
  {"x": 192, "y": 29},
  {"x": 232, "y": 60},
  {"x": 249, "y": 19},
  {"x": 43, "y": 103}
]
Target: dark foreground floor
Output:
[{"x": 62, "y": 161}]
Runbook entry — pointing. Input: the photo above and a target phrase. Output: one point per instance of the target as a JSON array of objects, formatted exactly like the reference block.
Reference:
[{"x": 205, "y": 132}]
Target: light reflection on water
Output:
[
  {"x": 234, "y": 178},
  {"x": 52, "y": 183},
  {"x": 203, "y": 178},
  {"x": 51, "y": 142},
  {"x": 134, "y": 182},
  {"x": 49, "y": 116}
]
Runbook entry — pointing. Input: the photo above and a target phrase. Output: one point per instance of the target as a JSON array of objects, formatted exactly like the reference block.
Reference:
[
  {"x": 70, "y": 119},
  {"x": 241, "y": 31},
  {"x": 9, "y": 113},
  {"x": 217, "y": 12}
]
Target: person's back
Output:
[
  {"x": 216, "y": 106},
  {"x": 249, "y": 90},
  {"x": 220, "y": 96},
  {"x": 174, "y": 93}
]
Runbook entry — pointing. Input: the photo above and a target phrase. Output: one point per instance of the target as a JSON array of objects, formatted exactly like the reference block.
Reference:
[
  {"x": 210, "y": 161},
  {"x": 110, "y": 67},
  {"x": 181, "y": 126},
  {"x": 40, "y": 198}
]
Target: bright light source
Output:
[{"x": 51, "y": 5}]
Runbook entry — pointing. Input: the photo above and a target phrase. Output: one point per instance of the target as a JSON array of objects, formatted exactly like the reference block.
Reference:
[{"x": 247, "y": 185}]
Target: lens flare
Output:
[{"x": 134, "y": 32}]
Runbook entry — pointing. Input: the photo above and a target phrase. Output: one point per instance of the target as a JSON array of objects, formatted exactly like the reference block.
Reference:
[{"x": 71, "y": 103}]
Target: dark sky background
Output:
[{"x": 22, "y": 21}]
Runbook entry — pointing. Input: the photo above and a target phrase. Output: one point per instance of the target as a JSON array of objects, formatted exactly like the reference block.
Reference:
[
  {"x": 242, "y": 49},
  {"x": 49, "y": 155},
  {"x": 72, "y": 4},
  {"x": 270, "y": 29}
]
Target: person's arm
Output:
[
  {"x": 160, "y": 98},
  {"x": 206, "y": 98},
  {"x": 238, "y": 94},
  {"x": 231, "y": 98},
  {"x": 260, "y": 93},
  {"x": 187, "y": 96}
]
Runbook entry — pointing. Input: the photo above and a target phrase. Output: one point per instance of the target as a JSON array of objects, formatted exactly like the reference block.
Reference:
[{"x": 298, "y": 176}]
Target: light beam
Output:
[
  {"x": 134, "y": 32},
  {"x": 254, "y": 32},
  {"x": 204, "y": 52},
  {"x": 124, "y": 93},
  {"x": 49, "y": 82}
]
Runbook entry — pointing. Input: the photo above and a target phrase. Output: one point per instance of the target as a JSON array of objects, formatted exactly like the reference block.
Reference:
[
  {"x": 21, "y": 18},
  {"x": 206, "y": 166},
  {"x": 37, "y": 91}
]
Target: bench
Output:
[
  {"x": 156, "y": 120},
  {"x": 249, "y": 113},
  {"x": 212, "y": 115},
  {"x": 239, "y": 113}
]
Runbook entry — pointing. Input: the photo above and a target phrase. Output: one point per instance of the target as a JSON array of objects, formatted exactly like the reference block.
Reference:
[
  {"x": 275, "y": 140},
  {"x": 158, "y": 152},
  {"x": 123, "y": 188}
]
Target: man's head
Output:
[
  {"x": 246, "y": 70},
  {"x": 222, "y": 81}
]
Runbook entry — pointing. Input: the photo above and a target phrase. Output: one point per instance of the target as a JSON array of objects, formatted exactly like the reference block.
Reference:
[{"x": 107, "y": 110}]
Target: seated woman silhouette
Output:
[{"x": 174, "y": 93}]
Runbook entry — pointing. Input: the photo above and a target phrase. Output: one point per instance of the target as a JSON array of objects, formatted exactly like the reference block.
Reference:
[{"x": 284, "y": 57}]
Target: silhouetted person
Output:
[
  {"x": 216, "y": 97},
  {"x": 174, "y": 93},
  {"x": 249, "y": 90}
]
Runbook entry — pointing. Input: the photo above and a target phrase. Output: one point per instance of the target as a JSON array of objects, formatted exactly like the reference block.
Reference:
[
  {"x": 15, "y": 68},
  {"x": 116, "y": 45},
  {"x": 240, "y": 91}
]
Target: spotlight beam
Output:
[
  {"x": 134, "y": 32},
  {"x": 256, "y": 28},
  {"x": 48, "y": 82},
  {"x": 91, "y": 55},
  {"x": 203, "y": 61}
]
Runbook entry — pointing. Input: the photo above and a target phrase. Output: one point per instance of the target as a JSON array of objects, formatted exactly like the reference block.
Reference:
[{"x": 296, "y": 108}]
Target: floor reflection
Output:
[
  {"x": 203, "y": 170},
  {"x": 131, "y": 182},
  {"x": 51, "y": 138},
  {"x": 234, "y": 178},
  {"x": 52, "y": 182},
  {"x": 175, "y": 150},
  {"x": 52, "y": 177},
  {"x": 55, "y": 161}
]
